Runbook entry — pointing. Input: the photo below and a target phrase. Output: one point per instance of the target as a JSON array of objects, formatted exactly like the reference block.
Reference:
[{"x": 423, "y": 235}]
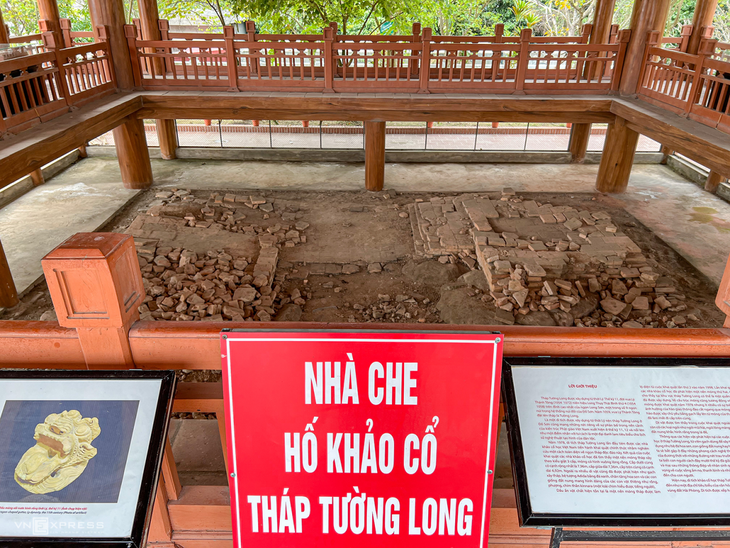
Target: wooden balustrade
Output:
[
  {"x": 331, "y": 62},
  {"x": 696, "y": 86},
  {"x": 37, "y": 88}
]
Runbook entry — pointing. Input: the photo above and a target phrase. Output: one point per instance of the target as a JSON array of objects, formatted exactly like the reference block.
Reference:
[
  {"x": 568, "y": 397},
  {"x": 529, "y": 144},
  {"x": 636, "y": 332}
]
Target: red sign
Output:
[{"x": 354, "y": 438}]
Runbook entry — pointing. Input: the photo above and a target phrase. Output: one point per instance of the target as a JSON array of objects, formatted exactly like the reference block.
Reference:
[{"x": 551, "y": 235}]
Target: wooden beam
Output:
[
  {"x": 110, "y": 13},
  {"x": 34, "y": 148},
  {"x": 374, "y": 155},
  {"x": 133, "y": 154},
  {"x": 579, "y": 136},
  {"x": 707, "y": 146},
  {"x": 369, "y": 107},
  {"x": 646, "y": 16},
  {"x": 167, "y": 137},
  {"x": 8, "y": 293},
  {"x": 701, "y": 19},
  {"x": 617, "y": 157},
  {"x": 713, "y": 181}
]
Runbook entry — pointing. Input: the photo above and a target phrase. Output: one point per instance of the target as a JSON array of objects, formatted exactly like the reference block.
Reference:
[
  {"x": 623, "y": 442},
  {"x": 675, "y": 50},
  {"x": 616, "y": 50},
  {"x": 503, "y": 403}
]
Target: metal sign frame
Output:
[
  {"x": 528, "y": 517},
  {"x": 152, "y": 465}
]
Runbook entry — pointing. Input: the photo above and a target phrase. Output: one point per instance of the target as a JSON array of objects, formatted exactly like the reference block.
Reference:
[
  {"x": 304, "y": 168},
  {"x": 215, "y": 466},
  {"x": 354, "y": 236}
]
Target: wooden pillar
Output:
[
  {"x": 4, "y": 35},
  {"x": 167, "y": 136},
  {"x": 602, "y": 20},
  {"x": 132, "y": 154},
  {"x": 702, "y": 18},
  {"x": 374, "y": 155},
  {"x": 579, "y": 135},
  {"x": 37, "y": 177},
  {"x": 617, "y": 157},
  {"x": 96, "y": 287},
  {"x": 713, "y": 181},
  {"x": 110, "y": 13},
  {"x": 8, "y": 293},
  {"x": 48, "y": 12},
  {"x": 83, "y": 152},
  {"x": 648, "y": 15},
  {"x": 666, "y": 153}
]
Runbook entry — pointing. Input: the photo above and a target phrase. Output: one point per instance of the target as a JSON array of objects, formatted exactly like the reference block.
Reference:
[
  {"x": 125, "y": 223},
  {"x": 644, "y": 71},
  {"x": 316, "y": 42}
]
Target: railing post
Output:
[
  {"x": 66, "y": 32},
  {"x": 685, "y": 34},
  {"x": 164, "y": 26},
  {"x": 613, "y": 34},
  {"x": 585, "y": 33},
  {"x": 523, "y": 60},
  {"x": 723, "y": 294},
  {"x": 706, "y": 49},
  {"x": 130, "y": 32},
  {"x": 329, "y": 77},
  {"x": 425, "y": 63},
  {"x": 49, "y": 40},
  {"x": 102, "y": 33},
  {"x": 499, "y": 33},
  {"x": 335, "y": 72},
  {"x": 652, "y": 40},
  {"x": 96, "y": 287},
  {"x": 253, "y": 59},
  {"x": 413, "y": 60},
  {"x": 228, "y": 33}
]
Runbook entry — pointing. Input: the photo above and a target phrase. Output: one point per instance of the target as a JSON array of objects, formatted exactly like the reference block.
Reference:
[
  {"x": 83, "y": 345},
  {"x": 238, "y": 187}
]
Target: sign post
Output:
[{"x": 351, "y": 438}]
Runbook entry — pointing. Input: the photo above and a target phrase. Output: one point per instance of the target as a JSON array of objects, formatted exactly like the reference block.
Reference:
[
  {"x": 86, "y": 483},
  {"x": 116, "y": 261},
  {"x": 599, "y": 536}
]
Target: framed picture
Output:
[
  {"x": 80, "y": 454},
  {"x": 619, "y": 442}
]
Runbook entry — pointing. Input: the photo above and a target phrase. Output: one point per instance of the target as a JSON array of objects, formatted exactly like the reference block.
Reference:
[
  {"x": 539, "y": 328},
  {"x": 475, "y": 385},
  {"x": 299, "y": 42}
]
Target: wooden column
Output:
[
  {"x": 48, "y": 12},
  {"x": 713, "y": 181},
  {"x": 648, "y": 15},
  {"x": 96, "y": 287},
  {"x": 132, "y": 154},
  {"x": 167, "y": 136},
  {"x": 110, "y": 13},
  {"x": 617, "y": 157},
  {"x": 37, "y": 177},
  {"x": 702, "y": 18},
  {"x": 600, "y": 32},
  {"x": 8, "y": 293},
  {"x": 4, "y": 35},
  {"x": 666, "y": 153},
  {"x": 374, "y": 155},
  {"x": 579, "y": 135},
  {"x": 602, "y": 20}
]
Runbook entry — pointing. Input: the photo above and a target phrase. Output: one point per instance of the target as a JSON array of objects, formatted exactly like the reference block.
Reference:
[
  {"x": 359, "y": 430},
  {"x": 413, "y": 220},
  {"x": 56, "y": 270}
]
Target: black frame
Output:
[
  {"x": 524, "y": 510},
  {"x": 150, "y": 476}
]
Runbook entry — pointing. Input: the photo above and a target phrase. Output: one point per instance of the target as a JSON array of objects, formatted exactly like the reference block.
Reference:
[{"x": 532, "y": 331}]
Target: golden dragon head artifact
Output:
[{"x": 62, "y": 451}]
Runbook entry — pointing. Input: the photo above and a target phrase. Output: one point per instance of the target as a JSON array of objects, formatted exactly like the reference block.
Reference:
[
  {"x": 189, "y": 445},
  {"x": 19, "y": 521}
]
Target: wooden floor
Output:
[{"x": 29, "y": 150}]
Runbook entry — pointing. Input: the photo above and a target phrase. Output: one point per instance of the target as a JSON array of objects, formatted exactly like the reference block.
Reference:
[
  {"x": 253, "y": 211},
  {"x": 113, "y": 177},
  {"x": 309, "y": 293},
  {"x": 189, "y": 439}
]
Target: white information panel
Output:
[{"x": 625, "y": 440}]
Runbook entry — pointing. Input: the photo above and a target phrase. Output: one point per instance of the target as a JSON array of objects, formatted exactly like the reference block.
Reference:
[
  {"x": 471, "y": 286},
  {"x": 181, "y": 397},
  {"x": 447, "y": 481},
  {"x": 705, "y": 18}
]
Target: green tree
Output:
[{"x": 22, "y": 15}]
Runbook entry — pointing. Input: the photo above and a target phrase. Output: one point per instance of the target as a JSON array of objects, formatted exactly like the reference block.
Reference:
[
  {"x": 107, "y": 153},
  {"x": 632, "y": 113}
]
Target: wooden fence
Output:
[
  {"x": 96, "y": 287},
  {"x": 696, "y": 86},
  {"x": 342, "y": 63},
  {"x": 37, "y": 88}
]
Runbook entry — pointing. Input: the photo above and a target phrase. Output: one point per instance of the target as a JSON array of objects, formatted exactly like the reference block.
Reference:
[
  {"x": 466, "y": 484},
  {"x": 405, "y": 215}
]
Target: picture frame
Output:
[
  {"x": 524, "y": 492},
  {"x": 91, "y": 477}
]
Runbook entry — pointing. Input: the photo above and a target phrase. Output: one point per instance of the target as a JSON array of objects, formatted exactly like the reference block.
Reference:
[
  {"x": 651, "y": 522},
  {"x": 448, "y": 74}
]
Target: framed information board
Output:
[
  {"x": 619, "y": 441},
  {"x": 80, "y": 454},
  {"x": 361, "y": 438}
]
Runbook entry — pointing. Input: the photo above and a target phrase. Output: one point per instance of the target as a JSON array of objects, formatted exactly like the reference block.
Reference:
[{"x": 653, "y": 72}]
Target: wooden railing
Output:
[
  {"x": 74, "y": 37},
  {"x": 696, "y": 86},
  {"x": 341, "y": 63},
  {"x": 37, "y": 88}
]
